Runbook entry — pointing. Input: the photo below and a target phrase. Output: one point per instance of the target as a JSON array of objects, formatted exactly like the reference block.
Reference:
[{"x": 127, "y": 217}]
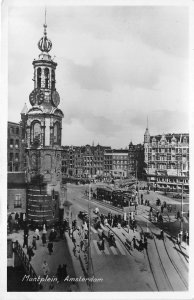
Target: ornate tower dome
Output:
[{"x": 44, "y": 43}]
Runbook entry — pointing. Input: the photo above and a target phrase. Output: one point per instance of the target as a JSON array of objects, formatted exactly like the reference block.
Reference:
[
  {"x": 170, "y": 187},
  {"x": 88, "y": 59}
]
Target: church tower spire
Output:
[{"x": 147, "y": 134}]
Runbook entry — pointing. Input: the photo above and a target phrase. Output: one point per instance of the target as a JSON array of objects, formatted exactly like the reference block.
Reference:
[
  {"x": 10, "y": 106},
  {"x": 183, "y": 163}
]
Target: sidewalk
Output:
[
  {"x": 76, "y": 264},
  {"x": 61, "y": 255}
]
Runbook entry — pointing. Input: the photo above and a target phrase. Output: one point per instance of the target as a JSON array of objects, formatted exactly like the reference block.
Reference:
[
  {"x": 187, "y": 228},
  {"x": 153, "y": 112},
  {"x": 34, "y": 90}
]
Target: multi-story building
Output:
[
  {"x": 120, "y": 163},
  {"x": 14, "y": 147},
  {"x": 167, "y": 159},
  {"x": 16, "y": 192},
  {"x": 84, "y": 161},
  {"x": 108, "y": 162},
  {"x": 116, "y": 162},
  {"x": 16, "y": 159},
  {"x": 136, "y": 160},
  {"x": 98, "y": 160}
]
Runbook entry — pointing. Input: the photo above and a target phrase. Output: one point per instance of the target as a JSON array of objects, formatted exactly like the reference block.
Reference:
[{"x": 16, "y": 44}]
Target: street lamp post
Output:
[
  {"x": 90, "y": 283},
  {"x": 137, "y": 187},
  {"x": 182, "y": 212}
]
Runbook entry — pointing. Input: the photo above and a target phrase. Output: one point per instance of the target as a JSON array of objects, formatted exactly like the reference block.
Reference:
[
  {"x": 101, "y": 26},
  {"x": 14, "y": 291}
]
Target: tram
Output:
[{"x": 117, "y": 198}]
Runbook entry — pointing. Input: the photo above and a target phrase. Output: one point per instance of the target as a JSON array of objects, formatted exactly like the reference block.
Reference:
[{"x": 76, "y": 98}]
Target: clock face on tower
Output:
[
  {"x": 32, "y": 97},
  {"x": 36, "y": 97},
  {"x": 40, "y": 97},
  {"x": 55, "y": 98}
]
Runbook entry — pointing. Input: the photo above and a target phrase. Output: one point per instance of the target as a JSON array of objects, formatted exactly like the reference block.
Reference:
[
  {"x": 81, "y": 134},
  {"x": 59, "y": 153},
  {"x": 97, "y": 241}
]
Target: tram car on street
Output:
[{"x": 117, "y": 198}]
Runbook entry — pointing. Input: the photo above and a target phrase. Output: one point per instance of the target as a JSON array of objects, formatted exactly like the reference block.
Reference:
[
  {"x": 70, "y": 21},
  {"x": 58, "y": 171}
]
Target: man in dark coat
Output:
[
  {"x": 44, "y": 239},
  {"x": 34, "y": 245},
  {"x": 64, "y": 271},
  {"x": 25, "y": 240},
  {"x": 50, "y": 247},
  {"x": 59, "y": 273},
  {"x": 30, "y": 252}
]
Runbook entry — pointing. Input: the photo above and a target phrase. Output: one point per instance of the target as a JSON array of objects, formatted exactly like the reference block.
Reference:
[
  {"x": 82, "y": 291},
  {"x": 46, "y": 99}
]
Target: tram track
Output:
[
  {"x": 153, "y": 271},
  {"x": 176, "y": 268}
]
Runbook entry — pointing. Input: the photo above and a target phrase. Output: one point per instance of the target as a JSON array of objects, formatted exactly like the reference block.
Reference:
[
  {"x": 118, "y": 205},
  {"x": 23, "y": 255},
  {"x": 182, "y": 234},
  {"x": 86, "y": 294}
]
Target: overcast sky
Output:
[{"x": 116, "y": 66}]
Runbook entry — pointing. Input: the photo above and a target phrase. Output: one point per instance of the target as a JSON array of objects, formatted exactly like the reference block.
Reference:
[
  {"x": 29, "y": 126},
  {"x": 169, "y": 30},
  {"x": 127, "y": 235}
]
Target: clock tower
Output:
[{"x": 43, "y": 139}]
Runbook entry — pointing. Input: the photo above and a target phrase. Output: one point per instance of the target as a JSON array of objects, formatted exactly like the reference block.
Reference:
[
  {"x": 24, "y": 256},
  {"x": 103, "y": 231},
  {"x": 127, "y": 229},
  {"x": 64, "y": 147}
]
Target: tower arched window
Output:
[
  {"x": 39, "y": 71},
  {"x": 46, "y": 75},
  {"x": 57, "y": 133},
  {"x": 53, "y": 79},
  {"x": 35, "y": 132}
]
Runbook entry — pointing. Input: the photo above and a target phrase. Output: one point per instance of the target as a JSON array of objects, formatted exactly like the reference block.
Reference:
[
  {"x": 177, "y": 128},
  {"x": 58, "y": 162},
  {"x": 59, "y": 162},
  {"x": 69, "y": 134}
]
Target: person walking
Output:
[
  {"x": 102, "y": 245},
  {"x": 34, "y": 245},
  {"x": 134, "y": 242},
  {"x": 187, "y": 237},
  {"x": 140, "y": 245},
  {"x": 45, "y": 268},
  {"x": 64, "y": 271},
  {"x": 37, "y": 234},
  {"x": 25, "y": 241},
  {"x": 30, "y": 252},
  {"x": 59, "y": 273},
  {"x": 50, "y": 247},
  {"x": 145, "y": 243},
  {"x": 43, "y": 239}
]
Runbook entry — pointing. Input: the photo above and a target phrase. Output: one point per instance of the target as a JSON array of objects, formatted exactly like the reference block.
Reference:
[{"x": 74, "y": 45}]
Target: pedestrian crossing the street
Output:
[{"x": 119, "y": 250}]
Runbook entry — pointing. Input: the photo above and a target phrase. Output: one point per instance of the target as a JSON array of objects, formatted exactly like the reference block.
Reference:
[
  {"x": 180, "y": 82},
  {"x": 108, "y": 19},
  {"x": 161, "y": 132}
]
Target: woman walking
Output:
[{"x": 45, "y": 268}]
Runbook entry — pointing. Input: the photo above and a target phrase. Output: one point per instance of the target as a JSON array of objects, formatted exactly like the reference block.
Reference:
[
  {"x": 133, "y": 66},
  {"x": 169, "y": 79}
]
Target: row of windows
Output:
[
  {"x": 46, "y": 78},
  {"x": 13, "y": 143},
  {"x": 14, "y": 130},
  {"x": 163, "y": 150},
  {"x": 13, "y": 156},
  {"x": 36, "y": 132}
]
